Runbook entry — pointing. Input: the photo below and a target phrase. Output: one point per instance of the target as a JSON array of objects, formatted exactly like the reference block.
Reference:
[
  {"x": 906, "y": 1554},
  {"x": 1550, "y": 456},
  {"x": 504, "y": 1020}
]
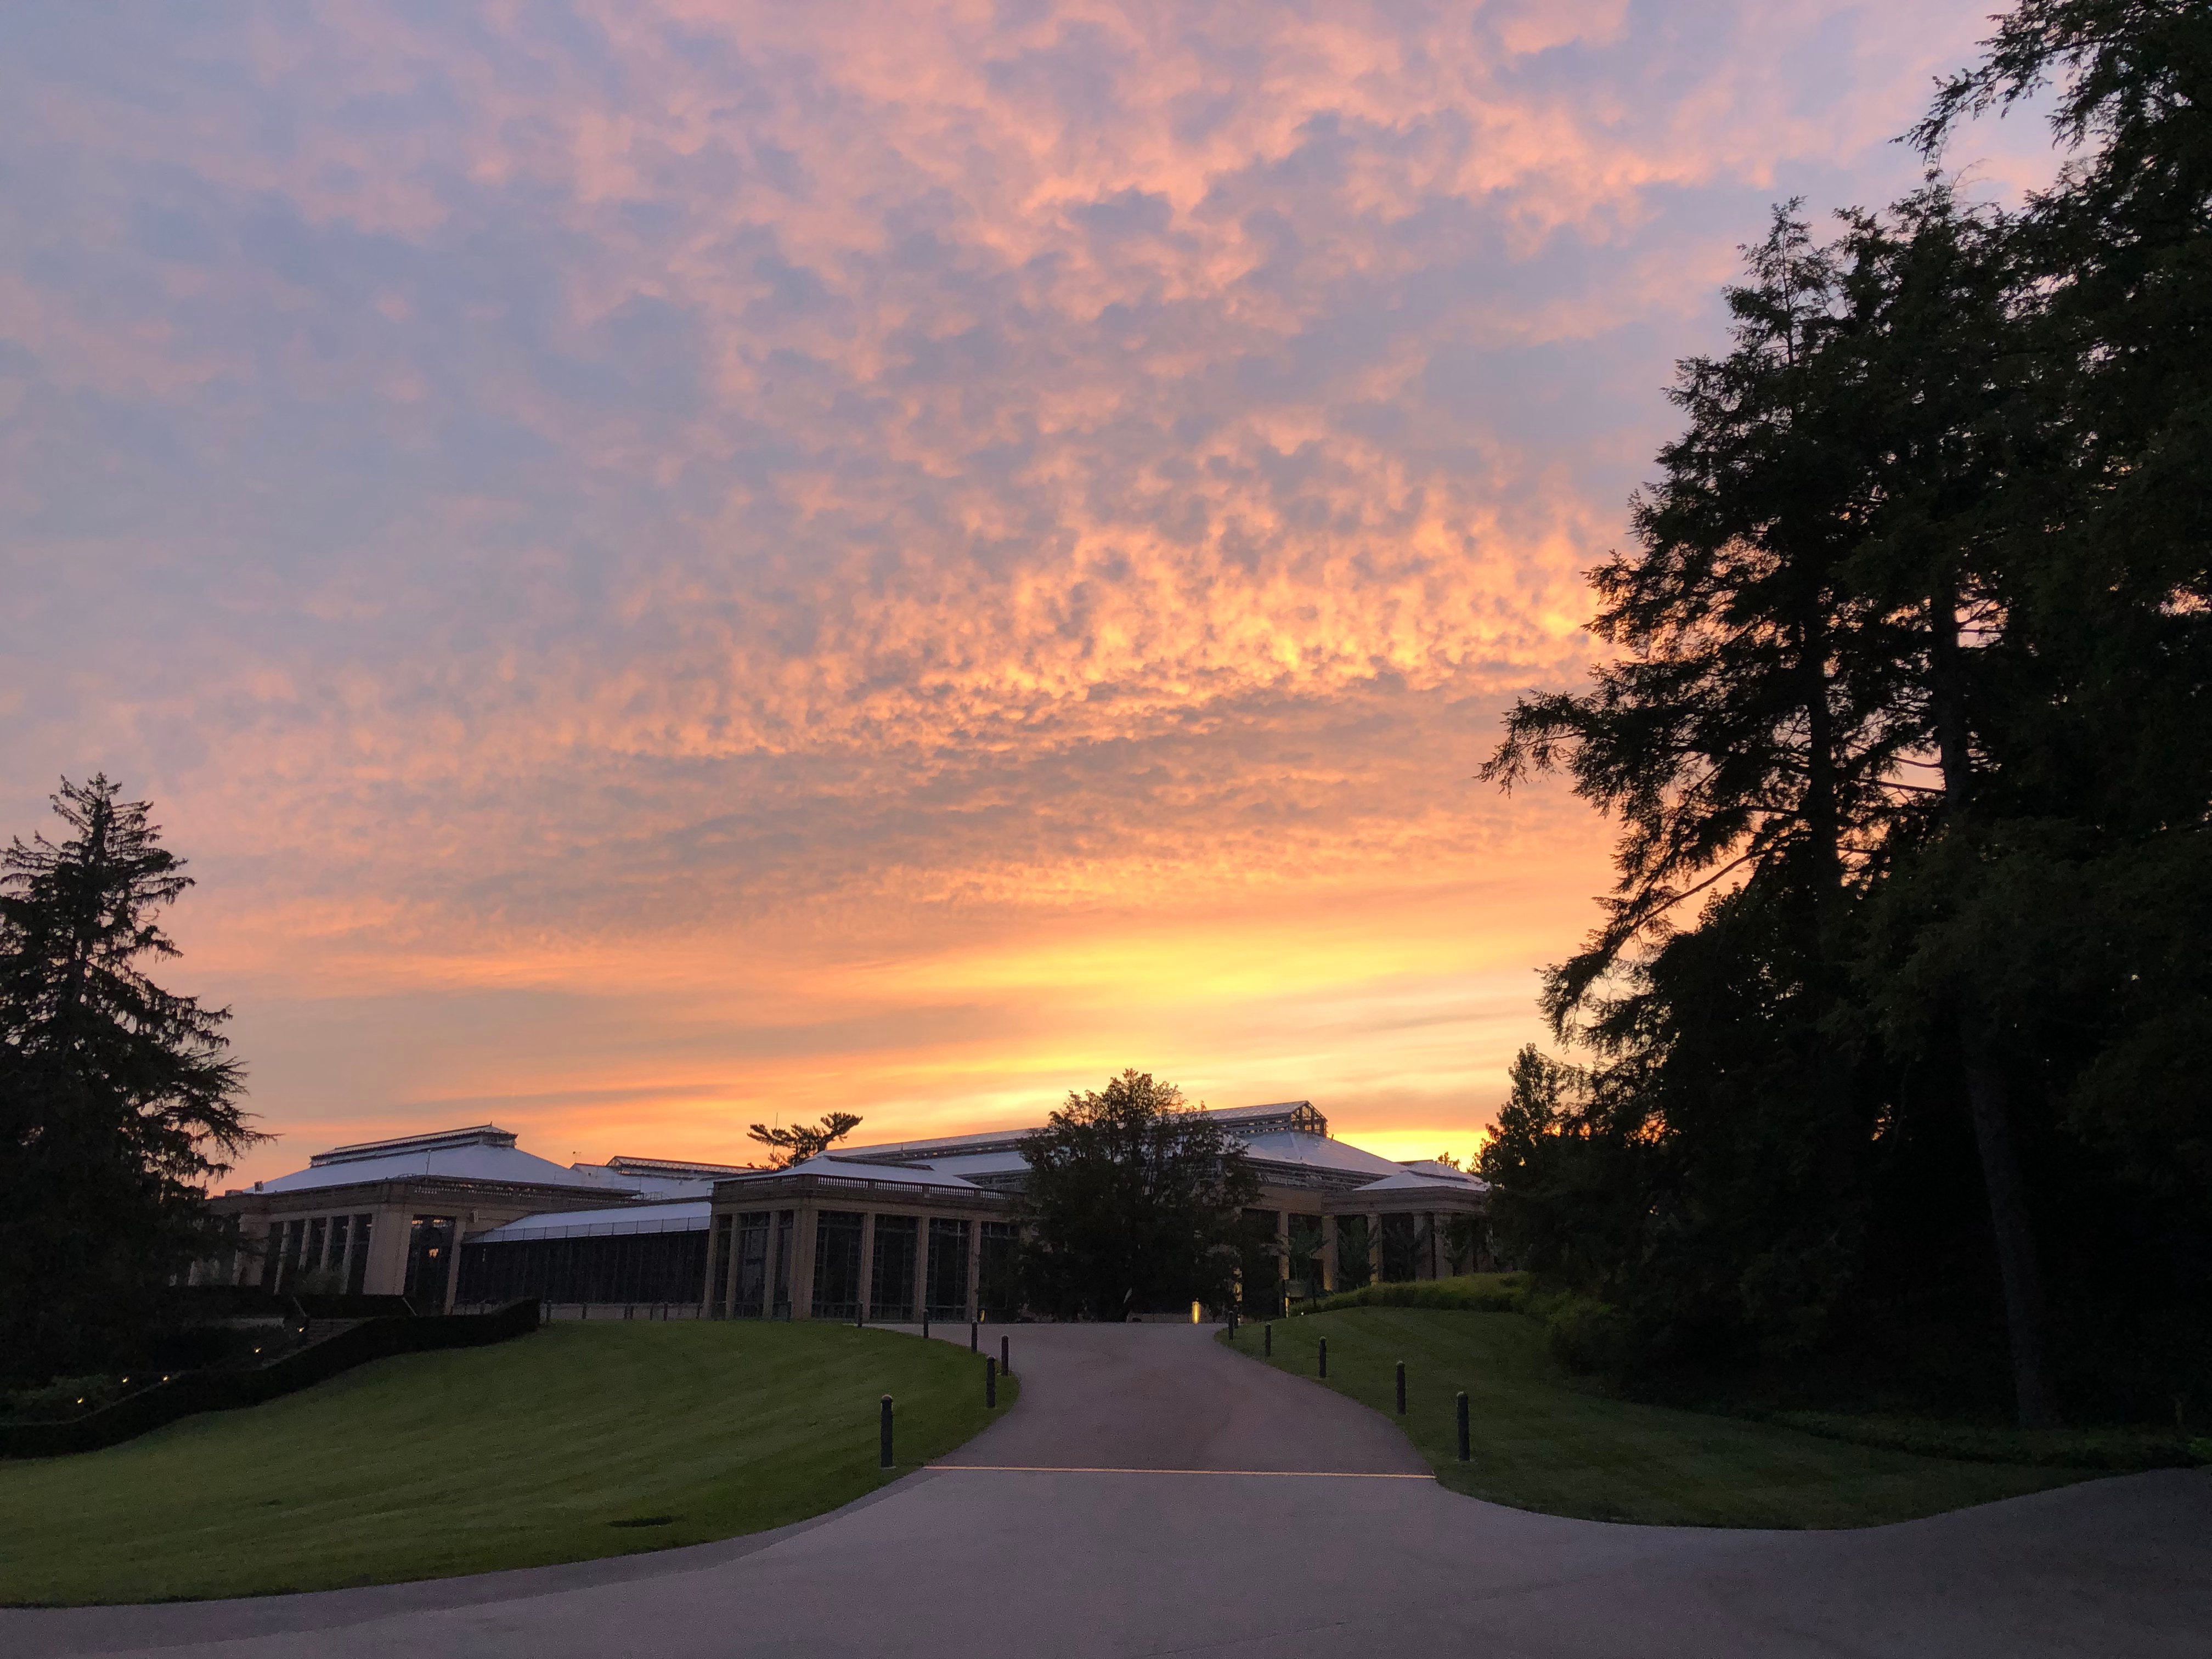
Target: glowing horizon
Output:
[{"x": 680, "y": 563}]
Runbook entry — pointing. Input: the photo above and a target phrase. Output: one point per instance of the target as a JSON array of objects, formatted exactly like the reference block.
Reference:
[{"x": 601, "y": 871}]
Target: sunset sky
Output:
[{"x": 670, "y": 563}]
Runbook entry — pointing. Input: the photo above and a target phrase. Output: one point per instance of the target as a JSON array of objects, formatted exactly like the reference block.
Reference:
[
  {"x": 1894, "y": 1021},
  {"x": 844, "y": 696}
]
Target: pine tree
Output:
[{"x": 118, "y": 1100}]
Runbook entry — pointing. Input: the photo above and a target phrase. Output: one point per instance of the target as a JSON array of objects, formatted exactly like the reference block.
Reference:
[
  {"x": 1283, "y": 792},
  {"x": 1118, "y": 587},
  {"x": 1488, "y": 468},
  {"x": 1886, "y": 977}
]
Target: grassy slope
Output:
[
  {"x": 1541, "y": 1443},
  {"x": 514, "y": 1455}
]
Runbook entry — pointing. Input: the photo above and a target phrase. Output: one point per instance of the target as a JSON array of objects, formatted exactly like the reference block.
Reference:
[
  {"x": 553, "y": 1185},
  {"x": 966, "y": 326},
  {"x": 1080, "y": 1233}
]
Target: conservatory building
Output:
[{"x": 895, "y": 1233}]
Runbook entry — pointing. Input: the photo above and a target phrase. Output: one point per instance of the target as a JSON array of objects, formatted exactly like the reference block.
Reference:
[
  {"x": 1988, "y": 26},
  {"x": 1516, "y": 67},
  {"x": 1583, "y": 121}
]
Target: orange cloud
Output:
[{"x": 685, "y": 562}]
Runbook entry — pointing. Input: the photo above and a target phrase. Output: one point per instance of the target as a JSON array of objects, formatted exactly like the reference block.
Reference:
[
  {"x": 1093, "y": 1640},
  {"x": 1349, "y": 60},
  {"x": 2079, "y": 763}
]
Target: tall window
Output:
[
  {"x": 357, "y": 1274},
  {"x": 288, "y": 1275},
  {"x": 429, "y": 1242},
  {"x": 946, "y": 1276},
  {"x": 1260, "y": 1270},
  {"x": 718, "y": 1272},
  {"x": 891, "y": 1278},
  {"x": 312, "y": 1260},
  {"x": 1353, "y": 1268},
  {"x": 340, "y": 1227},
  {"x": 752, "y": 1265},
  {"x": 1401, "y": 1243},
  {"x": 999, "y": 1279},
  {"x": 1304, "y": 1278},
  {"x": 787, "y": 1227},
  {"x": 838, "y": 1264}
]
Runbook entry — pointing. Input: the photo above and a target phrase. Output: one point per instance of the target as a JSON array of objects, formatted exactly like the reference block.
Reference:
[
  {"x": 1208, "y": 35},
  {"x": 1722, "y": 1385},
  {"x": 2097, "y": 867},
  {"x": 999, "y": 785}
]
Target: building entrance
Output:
[{"x": 429, "y": 1261}]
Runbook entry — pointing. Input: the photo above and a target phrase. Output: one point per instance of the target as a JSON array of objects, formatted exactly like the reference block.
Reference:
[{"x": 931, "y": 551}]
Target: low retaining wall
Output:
[{"x": 227, "y": 1390}]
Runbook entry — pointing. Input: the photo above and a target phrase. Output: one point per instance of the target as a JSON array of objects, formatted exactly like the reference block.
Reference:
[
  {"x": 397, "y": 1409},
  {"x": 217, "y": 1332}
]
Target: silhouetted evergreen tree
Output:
[
  {"x": 117, "y": 1100},
  {"x": 1910, "y": 698},
  {"x": 1135, "y": 1204}
]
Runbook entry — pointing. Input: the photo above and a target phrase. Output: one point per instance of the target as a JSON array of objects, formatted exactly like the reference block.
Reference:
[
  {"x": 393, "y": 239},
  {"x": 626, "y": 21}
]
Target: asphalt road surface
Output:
[{"x": 1154, "y": 1493}]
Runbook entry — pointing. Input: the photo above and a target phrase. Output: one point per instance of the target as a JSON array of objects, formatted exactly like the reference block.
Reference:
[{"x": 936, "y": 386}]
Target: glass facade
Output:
[
  {"x": 945, "y": 1280},
  {"x": 786, "y": 1228},
  {"x": 287, "y": 1261},
  {"x": 357, "y": 1274},
  {"x": 838, "y": 1264},
  {"x": 1305, "y": 1242},
  {"x": 890, "y": 1275},
  {"x": 625, "y": 1267},
  {"x": 310, "y": 1259},
  {"x": 998, "y": 1286},
  {"x": 1353, "y": 1268},
  {"x": 1259, "y": 1270},
  {"x": 1401, "y": 1251},
  {"x": 430, "y": 1244},
  {"x": 718, "y": 1275},
  {"x": 752, "y": 1265}
]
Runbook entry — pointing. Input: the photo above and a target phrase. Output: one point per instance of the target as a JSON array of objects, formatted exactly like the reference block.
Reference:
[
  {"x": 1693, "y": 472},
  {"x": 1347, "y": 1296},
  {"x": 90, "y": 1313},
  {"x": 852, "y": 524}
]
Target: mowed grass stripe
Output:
[
  {"x": 530, "y": 1452},
  {"x": 1541, "y": 1442}
]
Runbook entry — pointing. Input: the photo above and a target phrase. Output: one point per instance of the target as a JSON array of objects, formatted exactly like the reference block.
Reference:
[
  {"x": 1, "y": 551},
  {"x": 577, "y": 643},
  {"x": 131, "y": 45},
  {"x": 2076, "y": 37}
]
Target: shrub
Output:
[
  {"x": 1587, "y": 1336},
  {"x": 1468, "y": 1293}
]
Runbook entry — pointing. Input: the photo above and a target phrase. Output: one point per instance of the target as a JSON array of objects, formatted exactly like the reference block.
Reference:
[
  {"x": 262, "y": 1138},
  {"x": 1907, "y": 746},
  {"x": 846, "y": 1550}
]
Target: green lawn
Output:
[
  {"x": 1541, "y": 1442},
  {"x": 536, "y": 1450}
]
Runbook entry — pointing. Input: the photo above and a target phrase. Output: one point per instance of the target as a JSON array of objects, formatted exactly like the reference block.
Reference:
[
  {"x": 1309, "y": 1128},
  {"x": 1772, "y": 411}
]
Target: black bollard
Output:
[
  {"x": 1005, "y": 1356},
  {"x": 925, "y": 1327},
  {"x": 1401, "y": 1387},
  {"x": 1463, "y": 1453},
  {"x": 971, "y": 1336},
  {"x": 1233, "y": 1322},
  {"x": 1267, "y": 1338},
  {"x": 1324, "y": 1355},
  {"x": 887, "y": 1431},
  {"x": 990, "y": 1381}
]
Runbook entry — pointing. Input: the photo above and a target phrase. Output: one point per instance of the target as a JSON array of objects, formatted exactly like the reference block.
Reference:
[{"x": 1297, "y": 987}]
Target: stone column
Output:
[
  {"x": 867, "y": 1261},
  {"x": 729, "y": 1275},
  {"x": 453, "y": 1266},
  {"x": 1282, "y": 1253},
  {"x": 1375, "y": 1247},
  {"x": 387, "y": 1259},
  {"x": 975, "y": 1266},
  {"x": 767, "y": 1264},
  {"x": 802, "y": 1264},
  {"x": 1328, "y": 1252},
  {"x": 921, "y": 1267}
]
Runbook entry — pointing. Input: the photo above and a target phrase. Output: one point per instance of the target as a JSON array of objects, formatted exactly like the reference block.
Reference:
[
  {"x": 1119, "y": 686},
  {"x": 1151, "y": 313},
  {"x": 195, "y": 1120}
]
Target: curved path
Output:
[{"x": 1154, "y": 1493}]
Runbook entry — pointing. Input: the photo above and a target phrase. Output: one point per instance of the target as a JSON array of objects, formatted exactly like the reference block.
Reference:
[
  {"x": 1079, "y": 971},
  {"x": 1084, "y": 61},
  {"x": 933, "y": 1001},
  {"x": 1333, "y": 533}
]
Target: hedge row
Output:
[{"x": 227, "y": 1390}]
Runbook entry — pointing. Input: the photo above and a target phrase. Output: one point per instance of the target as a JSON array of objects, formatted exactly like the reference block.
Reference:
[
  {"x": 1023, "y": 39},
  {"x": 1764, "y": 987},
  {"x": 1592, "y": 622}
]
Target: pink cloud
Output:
[{"x": 699, "y": 556}]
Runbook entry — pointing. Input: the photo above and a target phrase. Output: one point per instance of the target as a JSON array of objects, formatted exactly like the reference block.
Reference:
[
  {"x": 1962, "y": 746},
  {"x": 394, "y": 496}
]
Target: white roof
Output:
[
  {"x": 656, "y": 1180},
  {"x": 471, "y": 1160},
  {"x": 688, "y": 1216},
  {"x": 1406, "y": 1179},
  {"x": 923, "y": 1150},
  {"x": 936, "y": 1150},
  {"x": 1429, "y": 1166},
  {"x": 1317, "y": 1152},
  {"x": 908, "y": 1175},
  {"x": 970, "y": 1164}
]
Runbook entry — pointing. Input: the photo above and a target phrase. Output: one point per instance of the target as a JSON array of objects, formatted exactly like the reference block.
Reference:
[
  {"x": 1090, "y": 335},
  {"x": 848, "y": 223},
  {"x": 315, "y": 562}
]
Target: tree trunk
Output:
[
  {"x": 2015, "y": 1240},
  {"x": 1986, "y": 1103}
]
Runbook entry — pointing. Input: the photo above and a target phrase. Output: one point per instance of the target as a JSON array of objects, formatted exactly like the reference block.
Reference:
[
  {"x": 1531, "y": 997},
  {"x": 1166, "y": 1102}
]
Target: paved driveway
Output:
[{"x": 1155, "y": 1494}]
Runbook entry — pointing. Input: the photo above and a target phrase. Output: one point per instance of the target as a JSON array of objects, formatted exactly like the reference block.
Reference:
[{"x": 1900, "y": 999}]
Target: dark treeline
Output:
[{"x": 1896, "y": 1037}]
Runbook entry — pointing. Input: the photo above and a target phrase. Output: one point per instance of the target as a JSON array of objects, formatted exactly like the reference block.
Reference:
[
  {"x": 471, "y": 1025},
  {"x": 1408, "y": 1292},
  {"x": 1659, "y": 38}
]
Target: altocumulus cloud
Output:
[{"x": 668, "y": 557}]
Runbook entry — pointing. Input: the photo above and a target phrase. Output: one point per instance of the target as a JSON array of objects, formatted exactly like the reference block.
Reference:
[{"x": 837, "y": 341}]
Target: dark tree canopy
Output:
[
  {"x": 803, "y": 1140},
  {"x": 1900, "y": 1014},
  {"x": 118, "y": 1100},
  {"x": 1135, "y": 1202}
]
